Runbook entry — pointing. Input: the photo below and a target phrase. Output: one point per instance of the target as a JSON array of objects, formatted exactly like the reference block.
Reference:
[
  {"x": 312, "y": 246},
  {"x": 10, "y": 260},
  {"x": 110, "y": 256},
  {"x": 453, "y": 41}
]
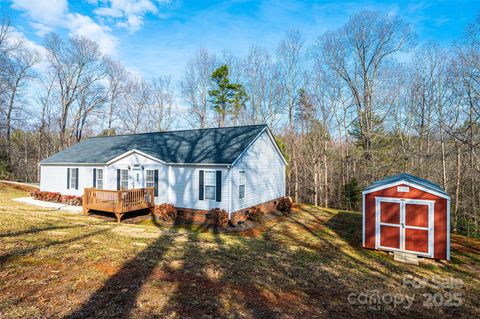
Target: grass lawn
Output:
[{"x": 305, "y": 265}]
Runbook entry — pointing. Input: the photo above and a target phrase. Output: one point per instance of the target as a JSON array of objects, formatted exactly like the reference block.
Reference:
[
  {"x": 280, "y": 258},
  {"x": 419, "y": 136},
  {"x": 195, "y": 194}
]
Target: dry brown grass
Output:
[
  {"x": 57, "y": 264},
  {"x": 18, "y": 186}
]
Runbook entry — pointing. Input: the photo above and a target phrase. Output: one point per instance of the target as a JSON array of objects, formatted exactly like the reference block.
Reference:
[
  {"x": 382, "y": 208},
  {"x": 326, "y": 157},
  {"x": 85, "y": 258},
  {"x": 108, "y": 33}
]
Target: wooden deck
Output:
[{"x": 118, "y": 202}]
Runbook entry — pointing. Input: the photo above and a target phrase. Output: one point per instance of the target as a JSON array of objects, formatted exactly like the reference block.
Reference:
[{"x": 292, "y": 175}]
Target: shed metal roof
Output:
[
  {"x": 201, "y": 146},
  {"x": 407, "y": 178}
]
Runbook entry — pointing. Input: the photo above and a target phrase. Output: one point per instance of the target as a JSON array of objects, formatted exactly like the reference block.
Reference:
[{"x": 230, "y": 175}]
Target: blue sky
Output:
[{"x": 158, "y": 37}]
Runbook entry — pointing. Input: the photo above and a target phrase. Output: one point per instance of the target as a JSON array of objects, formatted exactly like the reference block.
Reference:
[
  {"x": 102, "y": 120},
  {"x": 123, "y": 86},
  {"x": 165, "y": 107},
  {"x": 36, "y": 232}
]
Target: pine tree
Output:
[{"x": 226, "y": 97}]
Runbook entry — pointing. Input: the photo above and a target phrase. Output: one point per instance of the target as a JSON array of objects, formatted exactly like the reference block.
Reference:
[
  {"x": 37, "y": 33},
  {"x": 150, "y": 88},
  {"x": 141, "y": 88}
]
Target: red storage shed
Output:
[{"x": 407, "y": 213}]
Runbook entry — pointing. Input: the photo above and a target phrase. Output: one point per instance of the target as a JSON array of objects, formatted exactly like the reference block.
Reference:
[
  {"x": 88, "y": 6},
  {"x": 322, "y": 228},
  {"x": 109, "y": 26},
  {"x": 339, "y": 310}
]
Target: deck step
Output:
[{"x": 407, "y": 258}]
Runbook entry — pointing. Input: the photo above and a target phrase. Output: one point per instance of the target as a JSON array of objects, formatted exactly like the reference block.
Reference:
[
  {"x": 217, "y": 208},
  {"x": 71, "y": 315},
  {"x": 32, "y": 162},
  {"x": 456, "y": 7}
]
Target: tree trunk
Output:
[
  {"x": 9, "y": 121},
  {"x": 325, "y": 175},
  {"x": 457, "y": 190},
  {"x": 315, "y": 184},
  {"x": 444, "y": 164},
  {"x": 296, "y": 182}
]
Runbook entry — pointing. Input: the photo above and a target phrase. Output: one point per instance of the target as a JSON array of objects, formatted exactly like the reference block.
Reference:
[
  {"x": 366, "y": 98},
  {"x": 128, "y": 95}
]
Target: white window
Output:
[
  {"x": 241, "y": 184},
  {"x": 73, "y": 177},
  {"x": 99, "y": 178},
  {"x": 124, "y": 179},
  {"x": 210, "y": 185},
  {"x": 150, "y": 178}
]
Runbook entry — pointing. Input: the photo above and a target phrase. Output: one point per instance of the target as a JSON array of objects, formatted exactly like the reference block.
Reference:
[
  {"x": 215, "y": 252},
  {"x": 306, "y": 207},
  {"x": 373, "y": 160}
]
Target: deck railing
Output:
[{"x": 118, "y": 202}]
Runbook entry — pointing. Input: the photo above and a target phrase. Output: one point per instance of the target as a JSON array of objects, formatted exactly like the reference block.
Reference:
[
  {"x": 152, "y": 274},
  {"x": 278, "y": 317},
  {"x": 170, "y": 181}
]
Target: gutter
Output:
[{"x": 103, "y": 164}]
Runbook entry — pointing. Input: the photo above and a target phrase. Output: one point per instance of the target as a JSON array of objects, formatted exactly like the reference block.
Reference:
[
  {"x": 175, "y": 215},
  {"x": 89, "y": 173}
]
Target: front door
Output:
[
  {"x": 404, "y": 225},
  {"x": 137, "y": 177}
]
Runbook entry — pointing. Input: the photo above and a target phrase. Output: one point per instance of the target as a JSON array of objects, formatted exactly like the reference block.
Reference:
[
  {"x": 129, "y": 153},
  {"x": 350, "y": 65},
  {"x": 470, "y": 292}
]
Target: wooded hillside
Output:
[{"x": 359, "y": 103}]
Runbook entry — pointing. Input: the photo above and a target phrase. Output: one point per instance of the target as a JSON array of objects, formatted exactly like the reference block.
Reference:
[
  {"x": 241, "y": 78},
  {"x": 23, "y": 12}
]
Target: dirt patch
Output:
[{"x": 106, "y": 268}]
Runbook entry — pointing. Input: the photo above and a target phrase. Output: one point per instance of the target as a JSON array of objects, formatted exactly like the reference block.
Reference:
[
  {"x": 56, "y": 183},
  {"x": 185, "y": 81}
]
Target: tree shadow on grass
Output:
[
  {"x": 348, "y": 225},
  {"x": 35, "y": 230},
  {"x": 118, "y": 295},
  {"x": 210, "y": 279},
  {"x": 4, "y": 259},
  {"x": 196, "y": 293},
  {"x": 276, "y": 274}
]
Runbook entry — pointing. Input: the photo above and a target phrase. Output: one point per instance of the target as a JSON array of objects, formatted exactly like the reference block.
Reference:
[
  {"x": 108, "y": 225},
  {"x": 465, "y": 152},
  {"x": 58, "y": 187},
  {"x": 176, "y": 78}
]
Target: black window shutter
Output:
[
  {"x": 200, "y": 185},
  {"x": 219, "y": 186},
  {"x": 76, "y": 178},
  {"x": 155, "y": 192},
  {"x": 118, "y": 179},
  {"x": 68, "y": 178},
  {"x": 94, "y": 177}
]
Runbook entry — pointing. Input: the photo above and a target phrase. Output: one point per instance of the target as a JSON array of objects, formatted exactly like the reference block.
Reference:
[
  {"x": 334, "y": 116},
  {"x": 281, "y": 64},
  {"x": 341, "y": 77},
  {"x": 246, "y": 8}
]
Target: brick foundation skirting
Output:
[
  {"x": 190, "y": 215},
  {"x": 199, "y": 216},
  {"x": 241, "y": 215}
]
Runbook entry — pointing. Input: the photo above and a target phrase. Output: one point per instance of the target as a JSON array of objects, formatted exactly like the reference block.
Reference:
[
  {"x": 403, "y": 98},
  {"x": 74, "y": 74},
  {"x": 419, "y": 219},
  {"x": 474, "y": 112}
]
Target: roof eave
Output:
[
  {"x": 106, "y": 164},
  {"x": 408, "y": 183},
  {"x": 71, "y": 163}
]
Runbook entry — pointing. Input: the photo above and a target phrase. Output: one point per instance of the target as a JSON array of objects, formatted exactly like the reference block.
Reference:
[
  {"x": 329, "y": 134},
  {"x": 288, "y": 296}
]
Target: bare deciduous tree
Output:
[
  {"x": 76, "y": 65},
  {"x": 162, "y": 101},
  {"x": 194, "y": 87},
  {"x": 357, "y": 52},
  {"x": 19, "y": 71},
  {"x": 116, "y": 82}
]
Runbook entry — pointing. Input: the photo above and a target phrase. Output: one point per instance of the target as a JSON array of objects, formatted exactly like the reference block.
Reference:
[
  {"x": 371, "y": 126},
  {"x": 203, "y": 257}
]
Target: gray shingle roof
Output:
[
  {"x": 408, "y": 178},
  {"x": 207, "y": 146}
]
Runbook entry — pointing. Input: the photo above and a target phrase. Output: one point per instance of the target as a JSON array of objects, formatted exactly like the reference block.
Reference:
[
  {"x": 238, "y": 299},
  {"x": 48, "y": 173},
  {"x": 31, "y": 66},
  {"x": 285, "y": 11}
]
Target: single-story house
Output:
[
  {"x": 408, "y": 214},
  {"x": 231, "y": 168}
]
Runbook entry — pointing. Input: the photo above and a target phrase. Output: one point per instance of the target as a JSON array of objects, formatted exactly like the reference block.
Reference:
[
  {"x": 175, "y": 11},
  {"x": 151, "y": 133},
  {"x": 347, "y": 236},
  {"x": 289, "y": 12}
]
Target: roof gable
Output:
[
  {"x": 202, "y": 146},
  {"x": 412, "y": 180},
  {"x": 272, "y": 141}
]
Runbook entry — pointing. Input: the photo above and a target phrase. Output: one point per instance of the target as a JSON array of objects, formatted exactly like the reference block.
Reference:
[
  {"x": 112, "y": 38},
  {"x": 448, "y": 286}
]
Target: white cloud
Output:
[
  {"x": 109, "y": 12},
  {"x": 48, "y": 15},
  {"x": 41, "y": 28},
  {"x": 46, "y": 12},
  {"x": 128, "y": 14},
  {"x": 17, "y": 35},
  {"x": 81, "y": 25}
]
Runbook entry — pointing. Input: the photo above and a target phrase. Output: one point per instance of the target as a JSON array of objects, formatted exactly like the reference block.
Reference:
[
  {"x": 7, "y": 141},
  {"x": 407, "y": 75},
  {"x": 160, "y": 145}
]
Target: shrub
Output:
[
  {"x": 256, "y": 214},
  {"x": 219, "y": 217},
  {"x": 71, "y": 200},
  {"x": 57, "y": 198},
  {"x": 285, "y": 204},
  {"x": 165, "y": 212}
]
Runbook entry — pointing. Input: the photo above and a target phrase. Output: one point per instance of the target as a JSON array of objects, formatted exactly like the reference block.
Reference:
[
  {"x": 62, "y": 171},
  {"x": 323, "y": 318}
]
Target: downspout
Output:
[
  {"x": 169, "y": 188},
  {"x": 229, "y": 176}
]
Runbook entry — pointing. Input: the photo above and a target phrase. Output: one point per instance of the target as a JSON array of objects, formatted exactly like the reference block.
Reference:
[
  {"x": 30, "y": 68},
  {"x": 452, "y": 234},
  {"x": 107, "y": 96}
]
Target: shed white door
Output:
[{"x": 404, "y": 225}]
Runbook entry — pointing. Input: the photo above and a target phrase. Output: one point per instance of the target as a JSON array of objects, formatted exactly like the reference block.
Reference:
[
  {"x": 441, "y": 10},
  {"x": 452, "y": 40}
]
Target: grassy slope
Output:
[{"x": 55, "y": 263}]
